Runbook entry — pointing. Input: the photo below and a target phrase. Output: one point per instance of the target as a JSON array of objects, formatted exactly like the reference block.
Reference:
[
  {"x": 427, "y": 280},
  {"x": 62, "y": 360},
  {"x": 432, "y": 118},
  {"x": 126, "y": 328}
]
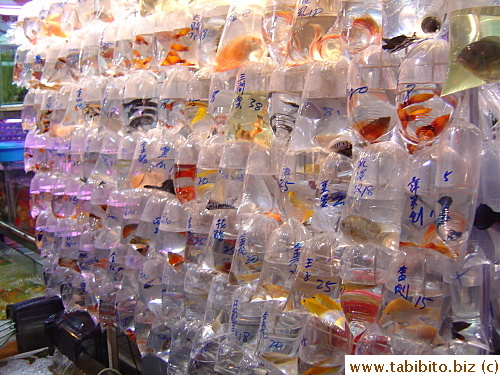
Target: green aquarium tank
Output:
[{"x": 9, "y": 93}]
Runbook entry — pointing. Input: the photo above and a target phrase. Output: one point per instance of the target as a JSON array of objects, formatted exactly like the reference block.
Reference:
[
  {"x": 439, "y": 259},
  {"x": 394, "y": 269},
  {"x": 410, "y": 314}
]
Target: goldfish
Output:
[
  {"x": 419, "y": 332},
  {"x": 185, "y": 194},
  {"x": 301, "y": 206},
  {"x": 482, "y": 58},
  {"x": 52, "y": 27},
  {"x": 173, "y": 58},
  {"x": 318, "y": 44},
  {"x": 273, "y": 215},
  {"x": 224, "y": 268},
  {"x": 247, "y": 135},
  {"x": 201, "y": 114},
  {"x": 182, "y": 32},
  {"x": 142, "y": 63},
  {"x": 129, "y": 229},
  {"x": 406, "y": 313},
  {"x": 179, "y": 47},
  {"x": 131, "y": 334},
  {"x": 140, "y": 40},
  {"x": 61, "y": 131},
  {"x": 432, "y": 246},
  {"x": 363, "y": 230},
  {"x": 429, "y": 132},
  {"x": 367, "y": 22},
  {"x": 175, "y": 259},
  {"x": 237, "y": 51},
  {"x": 69, "y": 263},
  {"x": 417, "y": 98},
  {"x": 373, "y": 130},
  {"x": 326, "y": 308},
  {"x": 275, "y": 291},
  {"x": 185, "y": 170},
  {"x": 328, "y": 302},
  {"x": 248, "y": 277}
]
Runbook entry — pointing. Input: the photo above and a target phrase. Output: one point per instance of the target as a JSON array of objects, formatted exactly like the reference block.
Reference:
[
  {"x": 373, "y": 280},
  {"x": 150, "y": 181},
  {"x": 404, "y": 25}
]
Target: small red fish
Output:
[
  {"x": 182, "y": 32},
  {"x": 178, "y": 47},
  {"x": 129, "y": 229},
  {"x": 140, "y": 40},
  {"x": 185, "y": 170},
  {"x": 418, "y": 98},
  {"x": 429, "y": 132},
  {"x": 185, "y": 194},
  {"x": 69, "y": 263},
  {"x": 131, "y": 334},
  {"x": 374, "y": 129},
  {"x": 175, "y": 259}
]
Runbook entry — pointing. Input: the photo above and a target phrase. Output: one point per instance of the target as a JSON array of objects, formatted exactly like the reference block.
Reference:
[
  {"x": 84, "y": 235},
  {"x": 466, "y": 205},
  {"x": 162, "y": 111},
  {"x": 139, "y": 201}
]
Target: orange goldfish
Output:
[
  {"x": 129, "y": 229},
  {"x": 273, "y": 215},
  {"x": 175, "y": 259},
  {"x": 140, "y": 40},
  {"x": 185, "y": 194},
  {"x": 182, "y": 32},
  {"x": 319, "y": 39},
  {"x": 429, "y": 132},
  {"x": 418, "y": 98},
  {"x": 275, "y": 291},
  {"x": 237, "y": 51},
  {"x": 178, "y": 47},
  {"x": 367, "y": 22},
  {"x": 374, "y": 129}
]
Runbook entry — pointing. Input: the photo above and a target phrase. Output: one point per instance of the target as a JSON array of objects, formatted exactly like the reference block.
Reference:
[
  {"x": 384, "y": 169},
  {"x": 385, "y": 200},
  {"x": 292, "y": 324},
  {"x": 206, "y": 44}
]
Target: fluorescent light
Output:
[{"x": 10, "y": 10}]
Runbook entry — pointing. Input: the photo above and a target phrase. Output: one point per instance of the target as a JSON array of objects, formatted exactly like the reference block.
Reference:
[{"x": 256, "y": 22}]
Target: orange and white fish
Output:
[{"x": 237, "y": 51}]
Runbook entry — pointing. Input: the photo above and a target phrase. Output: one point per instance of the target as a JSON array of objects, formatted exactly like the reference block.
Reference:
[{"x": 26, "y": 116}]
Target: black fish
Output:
[
  {"x": 141, "y": 113},
  {"x": 398, "y": 42},
  {"x": 167, "y": 186},
  {"x": 457, "y": 327},
  {"x": 451, "y": 235},
  {"x": 485, "y": 217},
  {"x": 482, "y": 58},
  {"x": 219, "y": 206}
]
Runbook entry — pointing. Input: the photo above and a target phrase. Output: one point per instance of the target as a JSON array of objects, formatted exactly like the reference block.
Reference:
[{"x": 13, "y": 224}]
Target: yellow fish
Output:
[
  {"x": 295, "y": 201},
  {"x": 328, "y": 302},
  {"x": 406, "y": 313},
  {"x": 325, "y": 308},
  {"x": 275, "y": 291},
  {"x": 419, "y": 332},
  {"x": 201, "y": 114}
]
